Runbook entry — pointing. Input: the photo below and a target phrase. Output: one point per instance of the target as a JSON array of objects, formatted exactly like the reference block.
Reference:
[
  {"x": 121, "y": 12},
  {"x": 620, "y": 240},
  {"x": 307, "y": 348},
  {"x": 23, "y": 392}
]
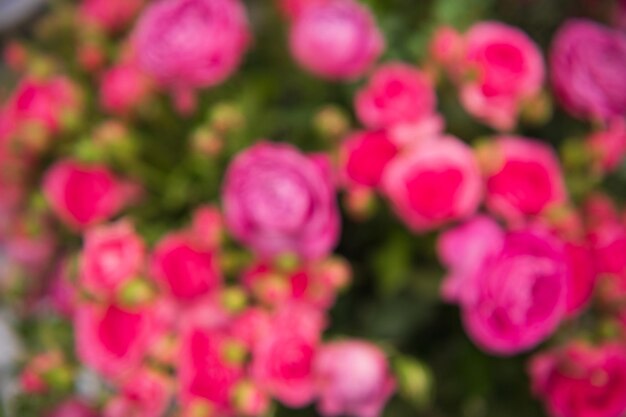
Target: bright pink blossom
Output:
[
  {"x": 364, "y": 157},
  {"x": 146, "y": 393},
  {"x": 434, "y": 183},
  {"x": 123, "y": 88}
]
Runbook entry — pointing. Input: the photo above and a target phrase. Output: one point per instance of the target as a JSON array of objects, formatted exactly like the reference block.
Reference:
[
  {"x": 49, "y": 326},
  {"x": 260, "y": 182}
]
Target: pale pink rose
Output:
[
  {"x": 112, "y": 255},
  {"x": 123, "y": 88},
  {"x": 85, "y": 194},
  {"x": 434, "y": 183},
  {"x": 109, "y": 15},
  {"x": 73, "y": 408},
  {"x": 364, "y": 157},
  {"x": 354, "y": 379},
  {"x": 111, "y": 339},
  {"x": 338, "y": 40},
  {"x": 207, "y": 372},
  {"x": 446, "y": 47},
  {"x": 185, "y": 269},
  {"x": 397, "y": 93},
  {"x": 278, "y": 200},
  {"x": 609, "y": 145},
  {"x": 283, "y": 360},
  {"x": 581, "y": 381},
  {"x": 191, "y": 43},
  {"x": 588, "y": 62},
  {"x": 524, "y": 178},
  {"x": 512, "y": 287},
  {"x": 504, "y": 69},
  {"x": 146, "y": 393},
  {"x": 294, "y": 8}
]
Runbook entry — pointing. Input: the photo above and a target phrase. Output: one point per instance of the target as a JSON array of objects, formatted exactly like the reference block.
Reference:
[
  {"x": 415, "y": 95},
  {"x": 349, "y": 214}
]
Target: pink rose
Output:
[
  {"x": 207, "y": 373},
  {"x": 278, "y": 200},
  {"x": 581, "y": 381},
  {"x": 109, "y": 15},
  {"x": 588, "y": 62},
  {"x": 185, "y": 269},
  {"x": 146, "y": 393},
  {"x": 294, "y": 8},
  {"x": 82, "y": 195},
  {"x": 283, "y": 360},
  {"x": 112, "y": 255},
  {"x": 583, "y": 275},
  {"x": 354, "y": 379},
  {"x": 397, "y": 93},
  {"x": 446, "y": 47},
  {"x": 505, "y": 69},
  {"x": 338, "y": 40},
  {"x": 123, "y": 88},
  {"x": 364, "y": 157},
  {"x": 524, "y": 178},
  {"x": 111, "y": 339},
  {"x": 73, "y": 408},
  {"x": 512, "y": 287},
  {"x": 434, "y": 183},
  {"x": 191, "y": 43},
  {"x": 609, "y": 145}
]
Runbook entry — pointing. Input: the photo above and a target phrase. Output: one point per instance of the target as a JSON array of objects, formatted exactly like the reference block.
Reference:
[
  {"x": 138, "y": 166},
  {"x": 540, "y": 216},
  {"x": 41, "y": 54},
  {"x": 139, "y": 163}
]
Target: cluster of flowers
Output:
[{"x": 227, "y": 336}]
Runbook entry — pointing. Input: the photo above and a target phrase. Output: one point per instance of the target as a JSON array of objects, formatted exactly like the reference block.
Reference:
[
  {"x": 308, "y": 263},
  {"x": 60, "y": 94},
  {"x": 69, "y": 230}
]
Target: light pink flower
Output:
[
  {"x": 446, "y": 47},
  {"x": 111, "y": 339},
  {"x": 505, "y": 68},
  {"x": 364, "y": 157},
  {"x": 73, "y": 408},
  {"x": 524, "y": 178},
  {"x": 191, "y": 43},
  {"x": 109, "y": 15},
  {"x": 434, "y": 183},
  {"x": 354, "y": 379},
  {"x": 123, "y": 88},
  {"x": 82, "y": 195},
  {"x": 184, "y": 269},
  {"x": 588, "y": 62},
  {"x": 581, "y": 381},
  {"x": 278, "y": 200},
  {"x": 397, "y": 93},
  {"x": 338, "y": 40},
  {"x": 512, "y": 287},
  {"x": 283, "y": 360},
  {"x": 112, "y": 255}
]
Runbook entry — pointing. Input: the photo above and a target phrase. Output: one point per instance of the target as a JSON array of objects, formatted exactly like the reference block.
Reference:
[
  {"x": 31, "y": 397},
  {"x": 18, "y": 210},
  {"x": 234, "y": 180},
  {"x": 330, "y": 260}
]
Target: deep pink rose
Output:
[
  {"x": 82, "y": 195},
  {"x": 73, "y": 408},
  {"x": 397, "y": 93},
  {"x": 185, "y": 269},
  {"x": 278, "y": 200},
  {"x": 583, "y": 275},
  {"x": 524, "y": 178},
  {"x": 111, "y": 339},
  {"x": 338, "y": 40},
  {"x": 512, "y": 287},
  {"x": 206, "y": 373},
  {"x": 609, "y": 145},
  {"x": 294, "y": 8},
  {"x": 581, "y": 381},
  {"x": 588, "y": 62},
  {"x": 145, "y": 393},
  {"x": 364, "y": 157},
  {"x": 354, "y": 379},
  {"x": 191, "y": 43},
  {"x": 505, "y": 68},
  {"x": 123, "y": 88},
  {"x": 434, "y": 183},
  {"x": 283, "y": 360},
  {"x": 112, "y": 255},
  {"x": 109, "y": 15}
]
